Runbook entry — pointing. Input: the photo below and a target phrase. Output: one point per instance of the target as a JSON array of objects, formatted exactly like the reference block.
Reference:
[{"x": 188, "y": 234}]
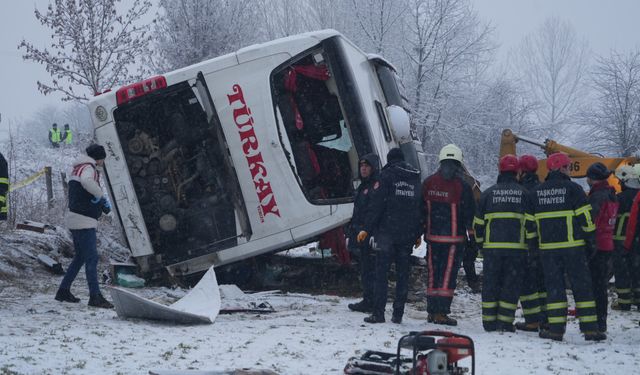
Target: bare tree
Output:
[
  {"x": 93, "y": 46},
  {"x": 552, "y": 63},
  {"x": 445, "y": 44},
  {"x": 190, "y": 31},
  {"x": 613, "y": 121},
  {"x": 379, "y": 22},
  {"x": 282, "y": 18}
]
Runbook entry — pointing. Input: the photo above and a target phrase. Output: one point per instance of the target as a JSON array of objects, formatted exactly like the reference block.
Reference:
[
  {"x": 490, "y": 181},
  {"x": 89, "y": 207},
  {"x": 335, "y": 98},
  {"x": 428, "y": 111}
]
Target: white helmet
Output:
[
  {"x": 629, "y": 175},
  {"x": 452, "y": 152}
]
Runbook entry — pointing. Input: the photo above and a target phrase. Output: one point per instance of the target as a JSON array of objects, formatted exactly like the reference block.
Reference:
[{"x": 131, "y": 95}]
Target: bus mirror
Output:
[{"x": 400, "y": 124}]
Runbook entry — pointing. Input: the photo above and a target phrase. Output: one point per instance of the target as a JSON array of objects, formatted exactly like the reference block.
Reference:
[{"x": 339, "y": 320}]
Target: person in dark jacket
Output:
[
  {"x": 533, "y": 293},
  {"x": 604, "y": 209},
  {"x": 368, "y": 168},
  {"x": 626, "y": 264},
  {"x": 449, "y": 210},
  {"x": 563, "y": 219},
  {"x": 86, "y": 204},
  {"x": 470, "y": 246},
  {"x": 503, "y": 226},
  {"x": 4, "y": 188},
  {"x": 394, "y": 224}
]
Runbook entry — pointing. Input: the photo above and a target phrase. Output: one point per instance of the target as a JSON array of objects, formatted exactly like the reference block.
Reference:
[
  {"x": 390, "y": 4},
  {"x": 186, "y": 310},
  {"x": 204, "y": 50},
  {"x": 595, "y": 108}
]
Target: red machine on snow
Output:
[{"x": 433, "y": 353}]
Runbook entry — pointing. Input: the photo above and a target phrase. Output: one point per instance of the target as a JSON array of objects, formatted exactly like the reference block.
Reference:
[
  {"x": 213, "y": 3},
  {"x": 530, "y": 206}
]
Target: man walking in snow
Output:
[
  {"x": 394, "y": 222},
  {"x": 86, "y": 205},
  {"x": 563, "y": 218}
]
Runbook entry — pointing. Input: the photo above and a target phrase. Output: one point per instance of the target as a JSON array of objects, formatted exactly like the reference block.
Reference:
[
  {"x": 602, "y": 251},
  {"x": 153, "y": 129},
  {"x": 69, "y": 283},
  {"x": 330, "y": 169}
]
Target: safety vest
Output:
[
  {"x": 68, "y": 136},
  {"x": 562, "y": 213},
  {"x": 54, "y": 135},
  {"x": 504, "y": 219}
]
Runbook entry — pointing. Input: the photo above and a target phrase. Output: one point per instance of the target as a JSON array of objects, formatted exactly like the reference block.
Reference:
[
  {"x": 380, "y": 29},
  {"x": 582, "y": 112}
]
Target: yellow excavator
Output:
[{"x": 580, "y": 160}]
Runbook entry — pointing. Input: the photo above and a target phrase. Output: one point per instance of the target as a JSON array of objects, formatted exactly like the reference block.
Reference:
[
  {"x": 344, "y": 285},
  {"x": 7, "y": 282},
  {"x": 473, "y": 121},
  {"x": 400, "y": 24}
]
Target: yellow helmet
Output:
[{"x": 452, "y": 152}]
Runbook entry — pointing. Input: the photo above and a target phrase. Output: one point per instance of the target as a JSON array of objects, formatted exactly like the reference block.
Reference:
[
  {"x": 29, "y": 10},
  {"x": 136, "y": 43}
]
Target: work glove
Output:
[
  {"x": 418, "y": 242},
  {"x": 362, "y": 235},
  {"x": 106, "y": 206}
]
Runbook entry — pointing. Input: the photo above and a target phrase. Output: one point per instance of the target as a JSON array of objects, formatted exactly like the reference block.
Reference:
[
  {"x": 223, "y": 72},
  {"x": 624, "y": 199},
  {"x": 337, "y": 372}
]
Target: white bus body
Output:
[{"x": 248, "y": 153}]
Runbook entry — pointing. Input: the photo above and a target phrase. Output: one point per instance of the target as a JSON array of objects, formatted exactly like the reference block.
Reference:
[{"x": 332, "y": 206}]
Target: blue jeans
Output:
[{"x": 84, "y": 243}]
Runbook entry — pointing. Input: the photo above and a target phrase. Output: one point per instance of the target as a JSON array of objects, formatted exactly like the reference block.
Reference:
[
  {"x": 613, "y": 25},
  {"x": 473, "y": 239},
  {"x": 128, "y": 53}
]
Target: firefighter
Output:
[
  {"x": 4, "y": 187},
  {"x": 67, "y": 136},
  {"x": 533, "y": 294},
  {"x": 394, "y": 222},
  {"x": 449, "y": 206},
  {"x": 368, "y": 168},
  {"x": 54, "y": 136},
  {"x": 503, "y": 226},
  {"x": 631, "y": 242},
  {"x": 563, "y": 219},
  {"x": 626, "y": 264},
  {"x": 604, "y": 210},
  {"x": 471, "y": 247}
]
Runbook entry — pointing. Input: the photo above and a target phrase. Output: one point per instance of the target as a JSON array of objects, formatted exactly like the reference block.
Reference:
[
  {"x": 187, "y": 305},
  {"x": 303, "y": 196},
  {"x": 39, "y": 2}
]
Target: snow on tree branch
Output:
[{"x": 93, "y": 46}]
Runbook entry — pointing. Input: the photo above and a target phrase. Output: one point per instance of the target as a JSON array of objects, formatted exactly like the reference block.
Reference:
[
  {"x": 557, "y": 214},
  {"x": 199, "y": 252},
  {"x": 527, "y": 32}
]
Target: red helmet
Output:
[
  {"x": 557, "y": 161},
  {"x": 528, "y": 163},
  {"x": 508, "y": 163}
]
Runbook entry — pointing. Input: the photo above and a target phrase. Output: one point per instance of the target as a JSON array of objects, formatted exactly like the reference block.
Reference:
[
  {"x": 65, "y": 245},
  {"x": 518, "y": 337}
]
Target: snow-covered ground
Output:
[{"x": 308, "y": 334}]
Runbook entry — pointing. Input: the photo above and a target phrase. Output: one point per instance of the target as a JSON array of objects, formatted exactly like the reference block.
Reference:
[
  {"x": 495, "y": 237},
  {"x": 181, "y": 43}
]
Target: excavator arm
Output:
[{"x": 580, "y": 160}]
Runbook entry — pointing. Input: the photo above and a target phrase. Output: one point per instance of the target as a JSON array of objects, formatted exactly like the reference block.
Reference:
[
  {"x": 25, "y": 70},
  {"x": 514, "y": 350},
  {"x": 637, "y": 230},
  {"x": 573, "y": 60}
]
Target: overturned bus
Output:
[{"x": 248, "y": 153}]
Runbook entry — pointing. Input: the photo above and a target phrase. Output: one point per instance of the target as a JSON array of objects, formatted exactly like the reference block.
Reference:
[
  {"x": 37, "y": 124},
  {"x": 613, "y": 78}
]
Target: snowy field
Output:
[{"x": 308, "y": 334}]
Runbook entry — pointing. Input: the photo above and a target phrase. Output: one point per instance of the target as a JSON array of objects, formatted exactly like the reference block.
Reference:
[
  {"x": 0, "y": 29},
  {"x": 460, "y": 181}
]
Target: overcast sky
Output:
[{"x": 605, "y": 24}]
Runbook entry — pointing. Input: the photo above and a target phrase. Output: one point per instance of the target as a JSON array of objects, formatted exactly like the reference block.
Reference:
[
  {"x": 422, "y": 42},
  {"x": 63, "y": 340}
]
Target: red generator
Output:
[{"x": 432, "y": 353}]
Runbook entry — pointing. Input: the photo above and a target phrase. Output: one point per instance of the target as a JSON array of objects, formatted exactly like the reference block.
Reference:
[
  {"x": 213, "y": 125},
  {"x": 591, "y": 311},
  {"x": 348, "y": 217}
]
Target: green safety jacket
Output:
[
  {"x": 55, "y": 135},
  {"x": 504, "y": 221},
  {"x": 562, "y": 214},
  {"x": 68, "y": 137}
]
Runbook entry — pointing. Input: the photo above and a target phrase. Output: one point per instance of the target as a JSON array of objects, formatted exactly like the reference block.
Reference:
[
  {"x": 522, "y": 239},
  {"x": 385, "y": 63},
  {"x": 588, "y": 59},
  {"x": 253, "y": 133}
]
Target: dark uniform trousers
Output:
[
  {"x": 599, "y": 268},
  {"x": 367, "y": 272},
  {"x": 390, "y": 252},
  {"x": 503, "y": 276},
  {"x": 469, "y": 263},
  {"x": 443, "y": 262},
  {"x": 533, "y": 295},
  {"x": 627, "y": 274},
  {"x": 574, "y": 263}
]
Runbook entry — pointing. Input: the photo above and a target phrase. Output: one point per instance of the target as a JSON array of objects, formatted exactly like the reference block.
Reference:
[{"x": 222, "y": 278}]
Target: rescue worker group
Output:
[{"x": 537, "y": 238}]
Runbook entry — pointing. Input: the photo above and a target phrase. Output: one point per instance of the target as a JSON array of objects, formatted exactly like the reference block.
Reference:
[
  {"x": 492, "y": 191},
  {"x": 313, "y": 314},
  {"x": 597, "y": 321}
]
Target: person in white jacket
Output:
[{"x": 86, "y": 204}]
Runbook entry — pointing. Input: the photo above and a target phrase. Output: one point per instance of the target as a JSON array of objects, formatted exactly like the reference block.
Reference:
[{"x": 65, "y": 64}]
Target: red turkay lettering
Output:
[{"x": 251, "y": 149}]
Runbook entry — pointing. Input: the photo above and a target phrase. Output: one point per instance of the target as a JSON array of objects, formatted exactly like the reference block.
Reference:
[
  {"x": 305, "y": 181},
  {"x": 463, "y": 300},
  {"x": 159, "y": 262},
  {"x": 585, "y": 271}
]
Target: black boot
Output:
[
  {"x": 396, "y": 318},
  {"x": 594, "y": 336},
  {"x": 66, "y": 296},
  {"x": 362, "y": 306},
  {"x": 99, "y": 301},
  {"x": 528, "y": 327},
  {"x": 555, "y": 336},
  {"x": 374, "y": 319}
]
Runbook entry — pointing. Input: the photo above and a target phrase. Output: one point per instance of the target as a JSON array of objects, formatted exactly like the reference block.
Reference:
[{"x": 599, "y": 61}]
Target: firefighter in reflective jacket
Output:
[
  {"x": 533, "y": 295},
  {"x": 626, "y": 264},
  {"x": 4, "y": 187},
  {"x": 604, "y": 209},
  {"x": 450, "y": 207},
  {"x": 563, "y": 219},
  {"x": 503, "y": 226},
  {"x": 55, "y": 136},
  {"x": 632, "y": 232}
]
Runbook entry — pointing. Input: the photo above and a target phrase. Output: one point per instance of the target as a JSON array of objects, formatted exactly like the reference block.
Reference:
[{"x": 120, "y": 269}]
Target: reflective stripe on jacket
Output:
[
  {"x": 504, "y": 218},
  {"x": 562, "y": 213}
]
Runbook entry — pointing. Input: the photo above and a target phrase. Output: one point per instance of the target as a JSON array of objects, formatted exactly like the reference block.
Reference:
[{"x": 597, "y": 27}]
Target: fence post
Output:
[{"x": 47, "y": 174}]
